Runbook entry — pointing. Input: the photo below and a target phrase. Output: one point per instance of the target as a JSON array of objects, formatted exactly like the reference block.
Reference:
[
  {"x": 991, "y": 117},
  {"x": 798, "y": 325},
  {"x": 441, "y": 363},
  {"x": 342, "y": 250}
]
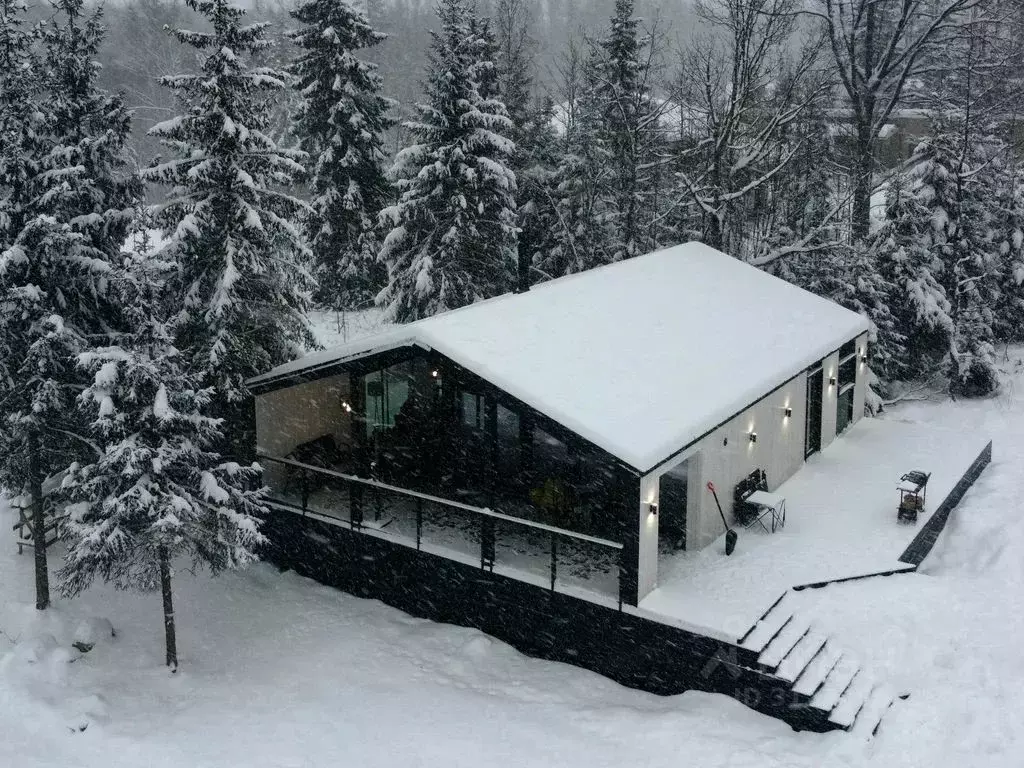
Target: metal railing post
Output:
[
  {"x": 554, "y": 559},
  {"x": 487, "y": 542},
  {"x": 305, "y": 491},
  {"x": 618, "y": 580}
]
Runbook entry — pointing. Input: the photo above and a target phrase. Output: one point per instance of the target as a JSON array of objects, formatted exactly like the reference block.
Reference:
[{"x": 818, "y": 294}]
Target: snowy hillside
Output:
[{"x": 280, "y": 671}]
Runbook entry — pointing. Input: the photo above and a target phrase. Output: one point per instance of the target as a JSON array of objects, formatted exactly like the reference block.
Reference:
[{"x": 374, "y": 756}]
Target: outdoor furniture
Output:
[
  {"x": 746, "y": 512},
  {"x": 913, "y": 492},
  {"x": 770, "y": 507}
]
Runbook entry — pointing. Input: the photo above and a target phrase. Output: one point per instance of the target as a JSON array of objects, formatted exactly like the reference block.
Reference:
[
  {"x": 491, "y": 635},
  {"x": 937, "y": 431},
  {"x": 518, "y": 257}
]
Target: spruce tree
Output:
[
  {"x": 624, "y": 109},
  {"x": 582, "y": 235},
  {"x": 585, "y": 236},
  {"x": 916, "y": 342},
  {"x": 535, "y": 159},
  {"x": 340, "y": 123},
  {"x": 955, "y": 192},
  {"x": 229, "y": 219},
  {"x": 1008, "y": 228},
  {"x": 453, "y": 231},
  {"x": 68, "y": 202},
  {"x": 157, "y": 490}
]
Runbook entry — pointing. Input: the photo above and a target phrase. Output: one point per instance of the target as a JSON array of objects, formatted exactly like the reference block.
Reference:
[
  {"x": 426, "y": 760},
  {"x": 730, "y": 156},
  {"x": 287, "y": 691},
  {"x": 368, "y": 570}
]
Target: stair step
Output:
[
  {"x": 873, "y": 711},
  {"x": 851, "y": 702},
  {"x": 835, "y": 684},
  {"x": 798, "y": 658},
  {"x": 785, "y": 641},
  {"x": 769, "y": 625},
  {"x": 814, "y": 675}
]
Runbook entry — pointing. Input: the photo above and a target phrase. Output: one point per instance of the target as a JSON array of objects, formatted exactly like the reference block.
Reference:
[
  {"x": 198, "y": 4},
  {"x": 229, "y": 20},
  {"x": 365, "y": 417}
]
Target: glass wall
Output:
[
  {"x": 847, "y": 381},
  {"x": 429, "y": 430},
  {"x": 387, "y": 391}
]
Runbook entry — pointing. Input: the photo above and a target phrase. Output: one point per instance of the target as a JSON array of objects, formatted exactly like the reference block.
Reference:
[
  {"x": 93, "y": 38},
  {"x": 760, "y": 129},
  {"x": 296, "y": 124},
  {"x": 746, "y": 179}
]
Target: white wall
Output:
[
  {"x": 725, "y": 457},
  {"x": 647, "y": 567},
  {"x": 860, "y": 388},
  {"x": 830, "y": 365}
]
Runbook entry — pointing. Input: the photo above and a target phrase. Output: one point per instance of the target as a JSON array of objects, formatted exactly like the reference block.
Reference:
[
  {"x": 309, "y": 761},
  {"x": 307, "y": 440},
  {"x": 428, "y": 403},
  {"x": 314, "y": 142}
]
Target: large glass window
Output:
[
  {"x": 387, "y": 390},
  {"x": 848, "y": 371},
  {"x": 473, "y": 410},
  {"x": 508, "y": 425},
  {"x": 847, "y": 382},
  {"x": 509, "y": 446}
]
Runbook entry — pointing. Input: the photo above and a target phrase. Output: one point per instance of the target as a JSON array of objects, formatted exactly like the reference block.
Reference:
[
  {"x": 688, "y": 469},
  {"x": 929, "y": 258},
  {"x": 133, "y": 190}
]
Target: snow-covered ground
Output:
[
  {"x": 279, "y": 671},
  {"x": 335, "y": 329},
  {"x": 840, "y": 523}
]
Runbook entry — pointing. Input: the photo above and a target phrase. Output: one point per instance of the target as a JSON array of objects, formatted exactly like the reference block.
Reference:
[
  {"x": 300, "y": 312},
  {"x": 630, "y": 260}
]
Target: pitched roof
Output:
[{"x": 640, "y": 357}]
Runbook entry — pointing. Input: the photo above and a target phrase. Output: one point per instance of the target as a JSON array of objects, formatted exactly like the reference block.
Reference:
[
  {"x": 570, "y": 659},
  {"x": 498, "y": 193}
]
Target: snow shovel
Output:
[{"x": 730, "y": 535}]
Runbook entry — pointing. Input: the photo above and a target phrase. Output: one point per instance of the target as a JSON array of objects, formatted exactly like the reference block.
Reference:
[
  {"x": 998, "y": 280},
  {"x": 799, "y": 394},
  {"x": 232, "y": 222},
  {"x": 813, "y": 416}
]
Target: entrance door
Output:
[
  {"x": 815, "y": 386},
  {"x": 672, "y": 507}
]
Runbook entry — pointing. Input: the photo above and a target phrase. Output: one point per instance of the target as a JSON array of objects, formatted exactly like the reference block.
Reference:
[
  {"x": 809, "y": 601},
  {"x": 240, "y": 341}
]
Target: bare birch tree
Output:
[
  {"x": 741, "y": 88},
  {"x": 878, "y": 47}
]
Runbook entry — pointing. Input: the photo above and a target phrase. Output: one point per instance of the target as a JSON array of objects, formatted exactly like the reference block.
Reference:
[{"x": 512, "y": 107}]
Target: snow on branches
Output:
[{"x": 453, "y": 231}]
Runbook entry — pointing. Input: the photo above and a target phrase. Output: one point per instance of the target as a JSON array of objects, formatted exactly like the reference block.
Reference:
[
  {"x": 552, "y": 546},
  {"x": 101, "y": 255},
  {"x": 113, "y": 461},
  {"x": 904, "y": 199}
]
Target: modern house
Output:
[
  {"x": 539, "y": 466},
  {"x": 601, "y": 403}
]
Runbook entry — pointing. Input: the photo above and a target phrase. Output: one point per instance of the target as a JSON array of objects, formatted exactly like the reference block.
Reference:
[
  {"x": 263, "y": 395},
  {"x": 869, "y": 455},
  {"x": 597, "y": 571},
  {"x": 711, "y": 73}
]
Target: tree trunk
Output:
[
  {"x": 38, "y": 523},
  {"x": 165, "y": 588},
  {"x": 863, "y": 183},
  {"x": 713, "y": 234}
]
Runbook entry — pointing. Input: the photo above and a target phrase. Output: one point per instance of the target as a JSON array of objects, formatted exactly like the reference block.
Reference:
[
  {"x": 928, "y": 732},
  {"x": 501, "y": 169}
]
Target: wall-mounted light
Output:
[
  {"x": 753, "y": 437},
  {"x": 346, "y": 406},
  {"x": 787, "y": 411},
  {"x": 863, "y": 357},
  {"x": 435, "y": 373},
  {"x": 653, "y": 508},
  {"x": 831, "y": 381}
]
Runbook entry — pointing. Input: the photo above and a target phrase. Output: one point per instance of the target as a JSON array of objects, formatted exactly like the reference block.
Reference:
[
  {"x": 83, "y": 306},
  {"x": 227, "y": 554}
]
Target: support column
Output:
[
  {"x": 647, "y": 550},
  {"x": 630, "y": 555}
]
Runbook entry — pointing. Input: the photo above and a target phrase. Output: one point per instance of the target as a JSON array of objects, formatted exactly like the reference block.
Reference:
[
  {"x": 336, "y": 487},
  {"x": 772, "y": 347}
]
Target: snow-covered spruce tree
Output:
[
  {"x": 20, "y": 123},
  {"x": 340, "y": 123},
  {"x": 535, "y": 159},
  {"x": 614, "y": 86},
  {"x": 536, "y": 169},
  {"x": 1008, "y": 228},
  {"x": 158, "y": 489},
  {"x": 68, "y": 201},
  {"x": 453, "y": 230},
  {"x": 916, "y": 343},
  {"x": 582, "y": 231},
  {"x": 952, "y": 189},
  {"x": 623, "y": 65},
  {"x": 230, "y": 222}
]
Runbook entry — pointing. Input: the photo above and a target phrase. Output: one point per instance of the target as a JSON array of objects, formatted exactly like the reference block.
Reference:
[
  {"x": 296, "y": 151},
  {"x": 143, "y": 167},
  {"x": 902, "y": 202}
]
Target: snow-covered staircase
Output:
[{"x": 794, "y": 649}]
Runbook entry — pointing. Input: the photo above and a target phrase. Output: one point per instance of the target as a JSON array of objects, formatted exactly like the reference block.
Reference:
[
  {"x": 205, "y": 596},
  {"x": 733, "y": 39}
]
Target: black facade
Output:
[{"x": 634, "y": 651}]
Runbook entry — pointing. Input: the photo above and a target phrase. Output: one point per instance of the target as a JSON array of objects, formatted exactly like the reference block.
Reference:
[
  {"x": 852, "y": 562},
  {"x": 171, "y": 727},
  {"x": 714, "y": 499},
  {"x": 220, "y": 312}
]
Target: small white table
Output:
[{"x": 770, "y": 504}]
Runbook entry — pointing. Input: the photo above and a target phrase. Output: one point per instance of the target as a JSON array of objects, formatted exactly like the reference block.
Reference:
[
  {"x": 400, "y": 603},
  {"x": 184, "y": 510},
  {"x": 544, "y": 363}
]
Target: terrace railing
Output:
[{"x": 524, "y": 549}]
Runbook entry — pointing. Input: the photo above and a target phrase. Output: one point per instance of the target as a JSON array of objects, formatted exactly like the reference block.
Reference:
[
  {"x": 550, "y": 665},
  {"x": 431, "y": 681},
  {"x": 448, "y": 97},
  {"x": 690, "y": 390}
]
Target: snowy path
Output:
[{"x": 281, "y": 672}]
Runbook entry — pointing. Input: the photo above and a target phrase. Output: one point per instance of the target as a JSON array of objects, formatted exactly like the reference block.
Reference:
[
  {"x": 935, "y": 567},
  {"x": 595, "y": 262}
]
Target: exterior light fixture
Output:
[
  {"x": 788, "y": 411},
  {"x": 831, "y": 381},
  {"x": 753, "y": 437},
  {"x": 435, "y": 373},
  {"x": 346, "y": 406},
  {"x": 653, "y": 508},
  {"x": 863, "y": 357}
]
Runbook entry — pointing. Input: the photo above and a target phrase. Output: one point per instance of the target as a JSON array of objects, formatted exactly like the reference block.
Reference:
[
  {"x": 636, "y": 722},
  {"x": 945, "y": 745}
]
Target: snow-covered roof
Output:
[{"x": 640, "y": 357}]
